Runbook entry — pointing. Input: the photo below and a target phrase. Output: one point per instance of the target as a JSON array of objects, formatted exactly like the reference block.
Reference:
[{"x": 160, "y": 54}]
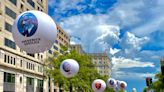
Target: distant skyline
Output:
[{"x": 131, "y": 31}]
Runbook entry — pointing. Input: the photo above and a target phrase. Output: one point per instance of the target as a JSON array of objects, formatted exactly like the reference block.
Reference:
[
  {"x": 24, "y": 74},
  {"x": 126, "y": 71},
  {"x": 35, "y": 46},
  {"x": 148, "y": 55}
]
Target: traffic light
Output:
[
  {"x": 162, "y": 69},
  {"x": 148, "y": 81}
]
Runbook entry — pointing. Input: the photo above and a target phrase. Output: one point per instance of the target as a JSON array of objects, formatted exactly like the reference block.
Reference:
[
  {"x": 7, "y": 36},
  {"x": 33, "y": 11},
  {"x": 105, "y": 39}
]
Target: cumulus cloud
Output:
[
  {"x": 95, "y": 36},
  {"x": 139, "y": 18}
]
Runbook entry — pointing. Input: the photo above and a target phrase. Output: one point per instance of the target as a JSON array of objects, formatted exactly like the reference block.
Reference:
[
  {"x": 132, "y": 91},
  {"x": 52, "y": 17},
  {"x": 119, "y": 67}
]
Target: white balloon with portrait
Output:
[
  {"x": 122, "y": 85},
  {"x": 111, "y": 83},
  {"x": 69, "y": 68},
  {"x": 98, "y": 85},
  {"x": 34, "y": 31}
]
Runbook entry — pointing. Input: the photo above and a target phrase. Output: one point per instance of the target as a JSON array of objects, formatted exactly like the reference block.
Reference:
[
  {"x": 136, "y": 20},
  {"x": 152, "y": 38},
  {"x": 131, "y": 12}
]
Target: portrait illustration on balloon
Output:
[
  {"x": 111, "y": 82},
  {"x": 27, "y": 24},
  {"x": 98, "y": 85},
  {"x": 66, "y": 67}
]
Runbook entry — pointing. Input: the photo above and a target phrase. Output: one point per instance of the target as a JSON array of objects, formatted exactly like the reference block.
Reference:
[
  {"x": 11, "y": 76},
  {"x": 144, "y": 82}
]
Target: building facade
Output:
[
  {"x": 102, "y": 63},
  {"x": 21, "y": 71},
  {"x": 63, "y": 39},
  {"x": 77, "y": 48}
]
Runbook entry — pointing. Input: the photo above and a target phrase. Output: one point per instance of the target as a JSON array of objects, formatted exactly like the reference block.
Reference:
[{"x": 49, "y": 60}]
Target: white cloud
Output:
[
  {"x": 95, "y": 34},
  {"x": 113, "y": 51},
  {"x": 122, "y": 62},
  {"x": 132, "y": 75},
  {"x": 101, "y": 31}
]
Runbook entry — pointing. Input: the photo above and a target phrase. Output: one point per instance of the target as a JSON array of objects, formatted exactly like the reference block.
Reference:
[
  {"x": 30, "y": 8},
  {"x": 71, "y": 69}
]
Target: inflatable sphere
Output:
[
  {"x": 122, "y": 85},
  {"x": 98, "y": 85},
  {"x": 111, "y": 83},
  {"x": 34, "y": 31},
  {"x": 69, "y": 68}
]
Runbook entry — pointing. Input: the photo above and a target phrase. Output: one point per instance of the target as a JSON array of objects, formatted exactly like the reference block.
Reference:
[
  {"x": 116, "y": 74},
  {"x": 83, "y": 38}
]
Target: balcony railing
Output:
[
  {"x": 9, "y": 87},
  {"x": 29, "y": 88}
]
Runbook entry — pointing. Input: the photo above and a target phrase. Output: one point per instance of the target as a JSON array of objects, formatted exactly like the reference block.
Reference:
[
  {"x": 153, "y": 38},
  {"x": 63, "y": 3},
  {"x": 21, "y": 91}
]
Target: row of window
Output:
[
  {"x": 29, "y": 65},
  {"x": 103, "y": 72},
  {"x": 12, "y": 14},
  {"x": 9, "y": 59},
  {"x": 10, "y": 78},
  {"x": 29, "y": 1},
  {"x": 100, "y": 62}
]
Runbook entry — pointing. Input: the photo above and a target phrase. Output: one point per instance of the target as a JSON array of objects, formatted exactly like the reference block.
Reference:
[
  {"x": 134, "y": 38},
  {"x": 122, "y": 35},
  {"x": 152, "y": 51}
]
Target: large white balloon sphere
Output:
[
  {"x": 98, "y": 85},
  {"x": 111, "y": 83},
  {"x": 34, "y": 31},
  {"x": 122, "y": 85},
  {"x": 69, "y": 68}
]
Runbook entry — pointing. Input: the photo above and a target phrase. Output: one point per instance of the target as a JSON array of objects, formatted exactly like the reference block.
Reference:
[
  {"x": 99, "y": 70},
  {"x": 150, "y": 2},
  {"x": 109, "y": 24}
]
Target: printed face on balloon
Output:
[
  {"x": 67, "y": 67},
  {"x": 111, "y": 82},
  {"x": 98, "y": 85},
  {"x": 122, "y": 85},
  {"x": 27, "y": 24}
]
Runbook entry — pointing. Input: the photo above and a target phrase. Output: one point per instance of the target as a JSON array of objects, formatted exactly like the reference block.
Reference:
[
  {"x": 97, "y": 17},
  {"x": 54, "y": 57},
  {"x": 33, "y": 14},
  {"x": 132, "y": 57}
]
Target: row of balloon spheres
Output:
[
  {"x": 35, "y": 32},
  {"x": 99, "y": 85}
]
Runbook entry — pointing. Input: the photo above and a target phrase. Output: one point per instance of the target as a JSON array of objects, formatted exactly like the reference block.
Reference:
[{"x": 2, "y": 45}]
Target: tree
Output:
[
  {"x": 159, "y": 84},
  {"x": 83, "y": 80}
]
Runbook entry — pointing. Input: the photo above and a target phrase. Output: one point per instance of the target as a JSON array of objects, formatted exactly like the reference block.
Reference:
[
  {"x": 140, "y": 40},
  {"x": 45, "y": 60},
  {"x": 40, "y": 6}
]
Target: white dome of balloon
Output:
[
  {"x": 34, "y": 31},
  {"x": 122, "y": 85},
  {"x": 69, "y": 68},
  {"x": 98, "y": 85},
  {"x": 111, "y": 83}
]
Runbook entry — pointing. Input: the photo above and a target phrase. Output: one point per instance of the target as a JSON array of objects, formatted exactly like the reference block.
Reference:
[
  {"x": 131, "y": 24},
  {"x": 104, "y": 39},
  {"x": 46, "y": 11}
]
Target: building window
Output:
[
  {"x": 56, "y": 41},
  {"x": 30, "y": 81},
  {"x": 8, "y": 27},
  {"x": 11, "y": 60},
  {"x": 31, "y": 3},
  {"x": 20, "y": 79},
  {"x": 32, "y": 55},
  {"x": 61, "y": 51},
  {"x": 5, "y": 58},
  {"x": 8, "y": 77},
  {"x": 49, "y": 51},
  {"x": 10, "y": 43},
  {"x": 21, "y": 6},
  {"x": 13, "y": 1},
  {"x": 21, "y": 63},
  {"x": 56, "y": 48},
  {"x": 10, "y": 13},
  {"x": 40, "y": 83},
  {"x": 8, "y": 59}
]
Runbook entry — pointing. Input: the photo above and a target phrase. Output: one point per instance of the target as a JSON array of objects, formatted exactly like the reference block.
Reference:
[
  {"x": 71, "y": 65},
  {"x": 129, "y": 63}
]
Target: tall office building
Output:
[
  {"x": 102, "y": 63},
  {"x": 77, "y": 48},
  {"x": 21, "y": 71}
]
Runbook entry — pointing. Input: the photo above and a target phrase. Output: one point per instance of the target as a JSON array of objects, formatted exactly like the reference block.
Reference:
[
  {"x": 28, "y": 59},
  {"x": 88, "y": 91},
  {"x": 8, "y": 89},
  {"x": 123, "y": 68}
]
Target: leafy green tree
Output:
[
  {"x": 83, "y": 80},
  {"x": 159, "y": 84}
]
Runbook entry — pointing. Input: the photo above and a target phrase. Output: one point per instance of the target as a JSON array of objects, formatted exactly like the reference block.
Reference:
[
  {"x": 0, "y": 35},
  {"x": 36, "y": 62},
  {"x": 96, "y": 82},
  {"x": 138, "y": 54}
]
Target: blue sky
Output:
[{"x": 130, "y": 31}]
